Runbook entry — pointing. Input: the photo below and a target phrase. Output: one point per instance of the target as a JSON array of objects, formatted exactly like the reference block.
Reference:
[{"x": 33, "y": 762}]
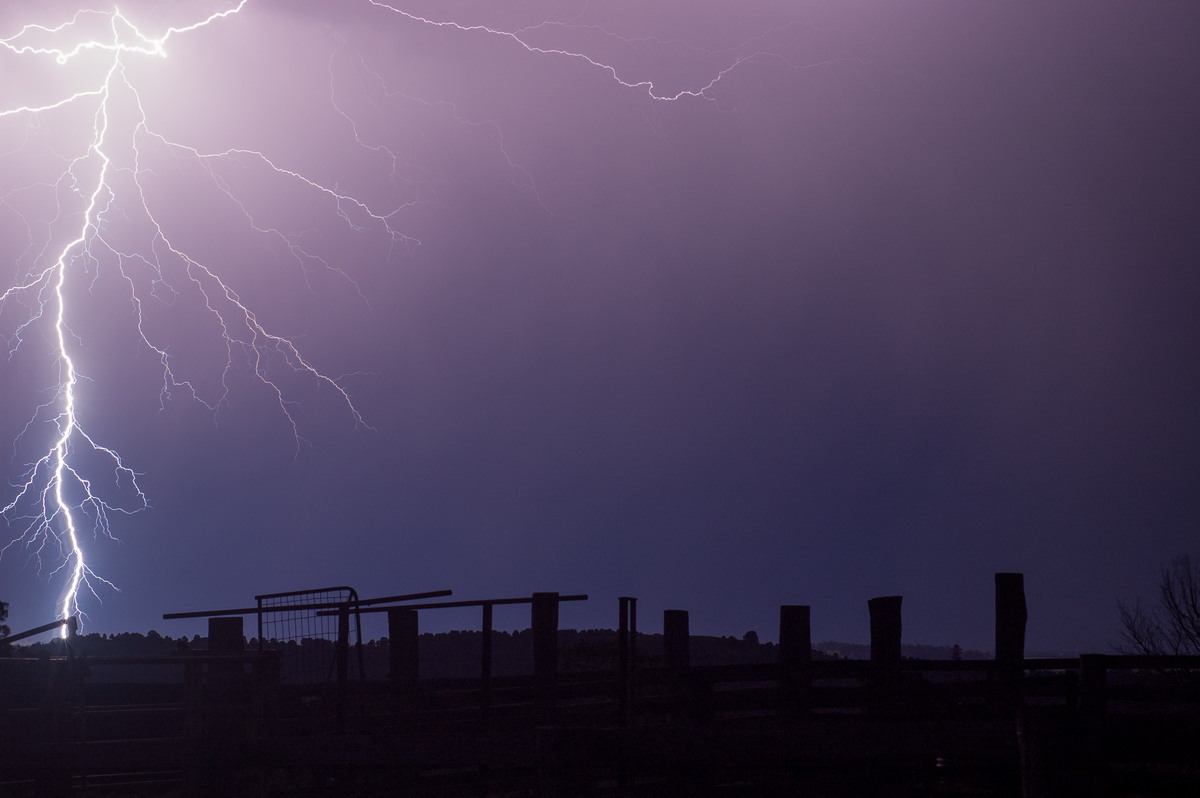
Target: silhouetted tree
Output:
[
  {"x": 1171, "y": 625},
  {"x": 4, "y": 630}
]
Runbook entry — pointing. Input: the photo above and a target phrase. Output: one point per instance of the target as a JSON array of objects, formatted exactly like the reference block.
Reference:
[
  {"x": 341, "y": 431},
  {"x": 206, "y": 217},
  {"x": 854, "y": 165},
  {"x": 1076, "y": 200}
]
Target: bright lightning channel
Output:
[
  {"x": 59, "y": 501},
  {"x": 55, "y": 497}
]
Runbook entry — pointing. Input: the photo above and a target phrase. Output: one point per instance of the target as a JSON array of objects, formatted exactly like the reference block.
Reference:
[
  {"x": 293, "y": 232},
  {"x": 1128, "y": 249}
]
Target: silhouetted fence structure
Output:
[
  {"x": 285, "y": 618},
  {"x": 227, "y": 724},
  {"x": 288, "y": 621}
]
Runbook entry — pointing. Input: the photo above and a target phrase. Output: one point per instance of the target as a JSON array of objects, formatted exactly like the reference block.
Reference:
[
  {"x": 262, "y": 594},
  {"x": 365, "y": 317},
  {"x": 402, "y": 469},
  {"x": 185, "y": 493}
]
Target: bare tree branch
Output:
[{"x": 1172, "y": 624}]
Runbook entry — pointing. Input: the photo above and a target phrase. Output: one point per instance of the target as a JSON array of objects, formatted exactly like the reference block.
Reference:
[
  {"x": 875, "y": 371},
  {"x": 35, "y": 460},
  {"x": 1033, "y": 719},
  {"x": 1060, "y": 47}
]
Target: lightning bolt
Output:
[{"x": 103, "y": 220}]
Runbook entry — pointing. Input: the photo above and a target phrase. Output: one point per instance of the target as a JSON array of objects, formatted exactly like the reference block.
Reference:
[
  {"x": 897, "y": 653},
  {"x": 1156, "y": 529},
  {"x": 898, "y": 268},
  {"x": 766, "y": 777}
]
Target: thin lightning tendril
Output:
[{"x": 55, "y": 497}]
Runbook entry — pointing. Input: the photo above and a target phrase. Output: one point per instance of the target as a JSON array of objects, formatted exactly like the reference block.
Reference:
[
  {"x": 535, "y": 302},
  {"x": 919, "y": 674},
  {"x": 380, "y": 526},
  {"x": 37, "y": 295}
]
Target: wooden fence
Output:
[{"x": 225, "y": 724}]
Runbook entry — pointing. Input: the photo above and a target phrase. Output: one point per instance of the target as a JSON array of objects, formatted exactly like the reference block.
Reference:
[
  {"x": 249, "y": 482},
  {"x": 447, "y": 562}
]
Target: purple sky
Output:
[{"x": 908, "y": 297}]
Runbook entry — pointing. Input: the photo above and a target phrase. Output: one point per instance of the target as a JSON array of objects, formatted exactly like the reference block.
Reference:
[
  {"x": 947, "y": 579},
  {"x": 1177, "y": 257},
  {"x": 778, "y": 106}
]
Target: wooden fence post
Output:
[
  {"x": 404, "y": 664},
  {"x": 626, "y": 655},
  {"x": 225, "y": 637},
  {"x": 1090, "y": 724},
  {"x": 885, "y": 650},
  {"x": 676, "y": 642},
  {"x": 544, "y": 626},
  {"x": 223, "y": 731},
  {"x": 795, "y": 656},
  {"x": 885, "y": 632},
  {"x": 1011, "y": 617}
]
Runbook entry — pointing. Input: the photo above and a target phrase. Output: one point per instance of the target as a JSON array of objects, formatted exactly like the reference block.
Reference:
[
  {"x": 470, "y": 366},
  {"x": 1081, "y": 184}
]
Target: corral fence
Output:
[{"x": 228, "y": 723}]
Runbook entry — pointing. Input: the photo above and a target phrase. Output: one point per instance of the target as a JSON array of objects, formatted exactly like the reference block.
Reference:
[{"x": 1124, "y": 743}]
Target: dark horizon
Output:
[{"x": 900, "y": 297}]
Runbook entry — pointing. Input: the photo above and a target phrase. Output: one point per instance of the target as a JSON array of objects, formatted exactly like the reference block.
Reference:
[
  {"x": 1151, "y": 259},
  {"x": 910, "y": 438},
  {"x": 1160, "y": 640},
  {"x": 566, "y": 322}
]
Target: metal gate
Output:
[{"x": 314, "y": 645}]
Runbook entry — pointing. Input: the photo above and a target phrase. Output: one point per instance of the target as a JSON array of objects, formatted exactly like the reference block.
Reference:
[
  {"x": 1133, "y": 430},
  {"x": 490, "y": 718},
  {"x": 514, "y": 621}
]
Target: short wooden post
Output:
[
  {"x": 544, "y": 624},
  {"x": 795, "y": 633},
  {"x": 885, "y": 650},
  {"x": 885, "y": 632},
  {"x": 1093, "y": 683},
  {"x": 404, "y": 664},
  {"x": 795, "y": 655},
  {"x": 676, "y": 639},
  {"x": 225, "y": 637}
]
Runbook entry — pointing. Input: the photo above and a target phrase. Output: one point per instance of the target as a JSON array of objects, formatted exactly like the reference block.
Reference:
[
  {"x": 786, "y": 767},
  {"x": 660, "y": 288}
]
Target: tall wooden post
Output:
[
  {"x": 225, "y": 637},
  {"x": 676, "y": 642},
  {"x": 544, "y": 624},
  {"x": 222, "y": 721},
  {"x": 795, "y": 633},
  {"x": 404, "y": 665},
  {"x": 885, "y": 651},
  {"x": 1011, "y": 617},
  {"x": 795, "y": 656},
  {"x": 885, "y": 632}
]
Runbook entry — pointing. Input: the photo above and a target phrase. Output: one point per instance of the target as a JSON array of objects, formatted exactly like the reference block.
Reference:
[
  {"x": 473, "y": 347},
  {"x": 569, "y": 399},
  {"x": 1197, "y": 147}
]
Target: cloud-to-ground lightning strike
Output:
[{"x": 67, "y": 492}]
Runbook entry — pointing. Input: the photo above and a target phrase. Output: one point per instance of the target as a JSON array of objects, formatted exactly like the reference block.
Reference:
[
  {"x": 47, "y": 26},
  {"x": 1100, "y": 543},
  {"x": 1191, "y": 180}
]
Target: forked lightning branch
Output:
[{"x": 95, "y": 210}]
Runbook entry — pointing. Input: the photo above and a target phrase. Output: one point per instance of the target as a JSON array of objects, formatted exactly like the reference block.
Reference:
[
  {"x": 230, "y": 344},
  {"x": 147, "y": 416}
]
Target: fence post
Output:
[
  {"x": 626, "y": 656},
  {"x": 1011, "y": 617},
  {"x": 221, "y": 712},
  {"x": 342, "y": 647},
  {"x": 676, "y": 642},
  {"x": 795, "y": 655},
  {"x": 885, "y": 649},
  {"x": 404, "y": 666},
  {"x": 485, "y": 665},
  {"x": 56, "y": 766},
  {"x": 225, "y": 637},
  {"x": 885, "y": 632},
  {"x": 544, "y": 625},
  {"x": 1091, "y": 722},
  {"x": 1093, "y": 681}
]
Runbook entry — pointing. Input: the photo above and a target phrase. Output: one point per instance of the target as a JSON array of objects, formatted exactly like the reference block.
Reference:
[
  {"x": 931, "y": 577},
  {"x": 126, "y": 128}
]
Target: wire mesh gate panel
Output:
[{"x": 314, "y": 648}]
